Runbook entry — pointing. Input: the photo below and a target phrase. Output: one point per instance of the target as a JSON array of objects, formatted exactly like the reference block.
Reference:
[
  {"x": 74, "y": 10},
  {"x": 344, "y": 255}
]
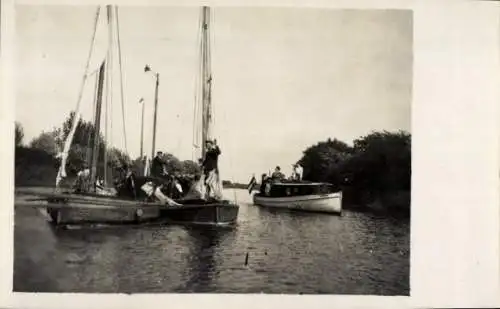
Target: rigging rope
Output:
[
  {"x": 121, "y": 78},
  {"x": 85, "y": 75},
  {"x": 197, "y": 105}
]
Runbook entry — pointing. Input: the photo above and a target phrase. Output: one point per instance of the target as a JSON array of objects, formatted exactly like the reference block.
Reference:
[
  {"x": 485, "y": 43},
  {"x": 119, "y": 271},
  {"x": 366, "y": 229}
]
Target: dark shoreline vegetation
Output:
[{"x": 374, "y": 173}]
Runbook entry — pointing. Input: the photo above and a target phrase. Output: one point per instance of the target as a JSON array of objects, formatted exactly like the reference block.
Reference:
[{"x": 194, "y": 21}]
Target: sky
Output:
[{"x": 283, "y": 78}]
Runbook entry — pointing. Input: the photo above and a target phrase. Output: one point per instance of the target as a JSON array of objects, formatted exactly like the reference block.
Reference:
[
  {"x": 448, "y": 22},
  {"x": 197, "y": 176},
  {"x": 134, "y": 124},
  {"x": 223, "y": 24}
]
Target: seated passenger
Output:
[
  {"x": 155, "y": 193},
  {"x": 277, "y": 175}
]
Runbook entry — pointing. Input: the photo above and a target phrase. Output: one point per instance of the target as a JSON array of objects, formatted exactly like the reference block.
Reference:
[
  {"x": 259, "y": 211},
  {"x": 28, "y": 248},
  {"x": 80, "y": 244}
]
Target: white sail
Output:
[{"x": 98, "y": 51}]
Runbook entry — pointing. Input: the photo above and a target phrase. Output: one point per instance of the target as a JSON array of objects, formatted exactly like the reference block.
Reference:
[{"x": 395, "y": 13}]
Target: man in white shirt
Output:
[
  {"x": 298, "y": 171},
  {"x": 82, "y": 183}
]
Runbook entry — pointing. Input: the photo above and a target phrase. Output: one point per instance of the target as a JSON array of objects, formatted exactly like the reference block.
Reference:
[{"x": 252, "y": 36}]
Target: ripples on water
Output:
[{"x": 288, "y": 252}]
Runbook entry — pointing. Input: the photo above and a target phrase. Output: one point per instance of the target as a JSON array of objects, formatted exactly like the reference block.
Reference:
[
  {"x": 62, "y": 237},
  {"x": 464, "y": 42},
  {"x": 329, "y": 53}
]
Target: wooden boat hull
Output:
[
  {"x": 105, "y": 215},
  {"x": 67, "y": 209},
  {"x": 326, "y": 203},
  {"x": 217, "y": 213}
]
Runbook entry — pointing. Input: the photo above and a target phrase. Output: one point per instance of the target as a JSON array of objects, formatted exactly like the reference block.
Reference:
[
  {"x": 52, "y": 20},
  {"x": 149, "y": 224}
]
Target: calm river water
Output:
[{"x": 288, "y": 252}]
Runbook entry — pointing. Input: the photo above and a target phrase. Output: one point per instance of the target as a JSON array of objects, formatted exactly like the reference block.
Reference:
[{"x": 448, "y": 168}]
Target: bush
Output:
[{"x": 376, "y": 168}]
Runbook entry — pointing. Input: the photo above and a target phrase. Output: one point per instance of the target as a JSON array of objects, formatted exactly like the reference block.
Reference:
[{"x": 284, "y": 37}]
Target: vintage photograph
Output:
[{"x": 212, "y": 150}]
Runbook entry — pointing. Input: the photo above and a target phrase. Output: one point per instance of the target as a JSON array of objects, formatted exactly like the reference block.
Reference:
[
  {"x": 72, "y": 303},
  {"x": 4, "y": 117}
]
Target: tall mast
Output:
[
  {"x": 141, "y": 101},
  {"x": 155, "y": 116},
  {"x": 109, "y": 95},
  {"x": 97, "y": 126},
  {"x": 98, "y": 111},
  {"x": 206, "y": 78}
]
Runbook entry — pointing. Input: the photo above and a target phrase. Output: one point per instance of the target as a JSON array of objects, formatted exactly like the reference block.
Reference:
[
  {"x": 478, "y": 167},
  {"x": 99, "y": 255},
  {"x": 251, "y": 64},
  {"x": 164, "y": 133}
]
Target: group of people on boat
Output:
[
  {"x": 161, "y": 185},
  {"x": 276, "y": 177}
]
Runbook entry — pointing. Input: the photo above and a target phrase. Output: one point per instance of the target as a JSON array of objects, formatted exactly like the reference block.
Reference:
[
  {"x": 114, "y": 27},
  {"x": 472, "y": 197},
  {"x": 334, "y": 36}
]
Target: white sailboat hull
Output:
[{"x": 329, "y": 203}]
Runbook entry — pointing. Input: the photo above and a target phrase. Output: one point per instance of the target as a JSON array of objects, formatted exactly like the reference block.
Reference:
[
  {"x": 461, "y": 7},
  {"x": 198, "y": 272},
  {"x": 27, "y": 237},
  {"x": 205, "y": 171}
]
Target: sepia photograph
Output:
[{"x": 212, "y": 149}]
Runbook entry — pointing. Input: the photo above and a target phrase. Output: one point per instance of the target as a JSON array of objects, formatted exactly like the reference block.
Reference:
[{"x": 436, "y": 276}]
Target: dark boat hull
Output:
[
  {"x": 76, "y": 209},
  {"x": 210, "y": 214},
  {"x": 221, "y": 213}
]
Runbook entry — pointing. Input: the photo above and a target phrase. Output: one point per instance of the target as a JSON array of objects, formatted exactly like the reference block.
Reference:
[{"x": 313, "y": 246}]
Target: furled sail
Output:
[
  {"x": 213, "y": 179},
  {"x": 96, "y": 56}
]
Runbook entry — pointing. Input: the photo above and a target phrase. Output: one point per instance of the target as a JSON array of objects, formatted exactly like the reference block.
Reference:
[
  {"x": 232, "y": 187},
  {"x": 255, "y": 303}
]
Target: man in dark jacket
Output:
[
  {"x": 126, "y": 185},
  {"x": 211, "y": 168},
  {"x": 210, "y": 162},
  {"x": 157, "y": 165}
]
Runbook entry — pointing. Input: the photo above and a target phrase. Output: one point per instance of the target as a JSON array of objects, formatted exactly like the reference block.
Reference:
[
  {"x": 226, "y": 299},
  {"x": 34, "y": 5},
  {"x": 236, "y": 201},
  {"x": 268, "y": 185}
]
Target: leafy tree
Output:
[
  {"x": 116, "y": 157},
  {"x": 19, "y": 134},
  {"x": 81, "y": 144},
  {"x": 173, "y": 165},
  {"x": 323, "y": 161},
  {"x": 382, "y": 161},
  {"x": 190, "y": 167},
  {"x": 377, "y": 164},
  {"x": 46, "y": 141}
]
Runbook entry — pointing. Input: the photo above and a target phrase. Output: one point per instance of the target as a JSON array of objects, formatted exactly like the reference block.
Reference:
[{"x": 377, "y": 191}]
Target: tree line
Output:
[
  {"x": 375, "y": 172},
  {"x": 38, "y": 161}
]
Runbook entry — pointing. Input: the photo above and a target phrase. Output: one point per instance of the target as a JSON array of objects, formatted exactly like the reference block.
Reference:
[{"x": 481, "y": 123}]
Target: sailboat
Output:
[{"x": 96, "y": 206}]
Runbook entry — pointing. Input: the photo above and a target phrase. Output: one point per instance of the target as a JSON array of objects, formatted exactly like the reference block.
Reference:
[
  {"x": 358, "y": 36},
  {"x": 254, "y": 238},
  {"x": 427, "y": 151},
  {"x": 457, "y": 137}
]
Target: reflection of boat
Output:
[
  {"x": 203, "y": 266},
  {"x": 95, "y": 206},
  {"x": 304, "y": 196}
]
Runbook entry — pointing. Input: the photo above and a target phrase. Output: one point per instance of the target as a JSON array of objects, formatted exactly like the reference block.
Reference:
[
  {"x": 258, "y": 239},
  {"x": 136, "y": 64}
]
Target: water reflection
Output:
[
  {"x": 202, "y": 267},
  {"x": 289, "y": 252}
]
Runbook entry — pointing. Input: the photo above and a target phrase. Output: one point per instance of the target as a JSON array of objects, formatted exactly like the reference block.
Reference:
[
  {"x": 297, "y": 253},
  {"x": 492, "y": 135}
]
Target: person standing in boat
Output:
[
  {"x": 298, "y": 171},
  {"x": 211, "y": 169},
  {"x": 82, "y": 183},
  {"x": 158, "y": 166},
  {"x": 263, "y": 180},
  {"x": 126, "y": 185}
]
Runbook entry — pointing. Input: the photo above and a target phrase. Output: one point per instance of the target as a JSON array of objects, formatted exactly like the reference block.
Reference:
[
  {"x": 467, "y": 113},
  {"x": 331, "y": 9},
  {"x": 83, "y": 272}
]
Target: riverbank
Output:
[
  {"x": 391, "y": 204},
  {"x": 37, "y": 168}
]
